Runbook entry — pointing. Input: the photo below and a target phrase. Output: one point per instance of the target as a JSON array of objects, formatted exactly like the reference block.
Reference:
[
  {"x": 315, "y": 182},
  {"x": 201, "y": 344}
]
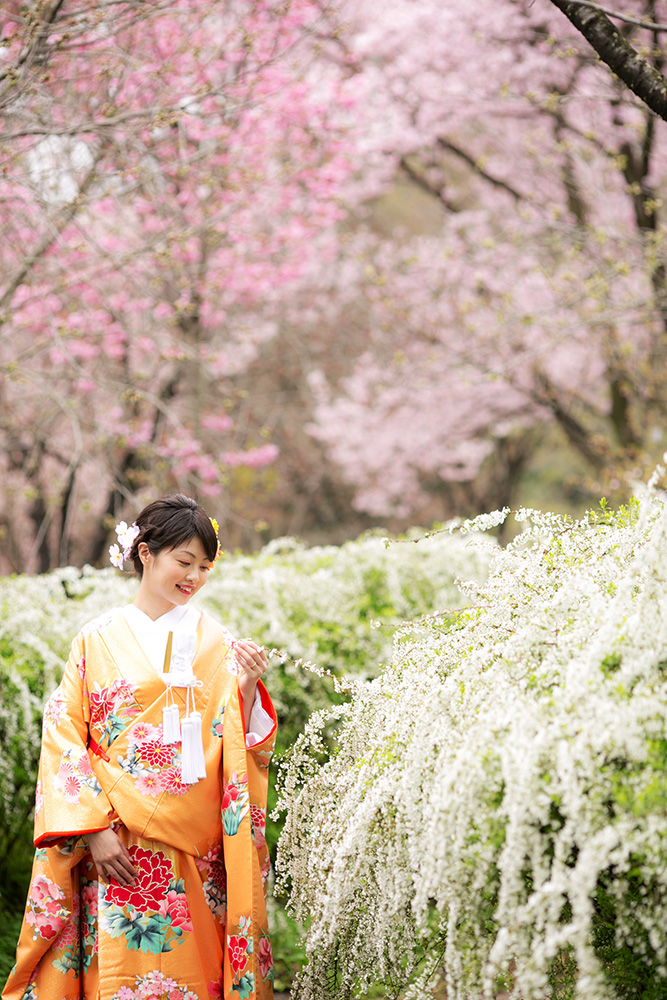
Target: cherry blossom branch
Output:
[{"x": 52, "y": 232}]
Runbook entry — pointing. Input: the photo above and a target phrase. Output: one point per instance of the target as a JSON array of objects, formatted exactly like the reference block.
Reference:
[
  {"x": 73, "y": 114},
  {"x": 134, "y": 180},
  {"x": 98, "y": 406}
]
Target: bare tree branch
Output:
[
  {"x": 421, "y": 181},
  {"x": 640, "y": 22},
  {"x": 636, "y": 72},
  {"x": 467, "y": 158}
]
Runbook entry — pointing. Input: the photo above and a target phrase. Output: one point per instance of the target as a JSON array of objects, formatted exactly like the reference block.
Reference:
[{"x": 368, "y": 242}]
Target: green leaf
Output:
[{"x": 245, "y": 986}]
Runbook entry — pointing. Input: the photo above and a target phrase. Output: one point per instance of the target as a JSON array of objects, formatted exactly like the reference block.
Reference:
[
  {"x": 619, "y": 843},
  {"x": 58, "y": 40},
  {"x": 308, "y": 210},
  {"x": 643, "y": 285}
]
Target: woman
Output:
[{"x": 151, "y": 800}]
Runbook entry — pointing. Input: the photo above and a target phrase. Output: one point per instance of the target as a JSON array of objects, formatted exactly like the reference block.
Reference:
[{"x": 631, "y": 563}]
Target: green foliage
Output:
[
  {"x": 287, "y": 940},
  {"x": 629, "y": 961},
  {"x": 10, "y": 925},
  {"x": 20, "y": 718}
]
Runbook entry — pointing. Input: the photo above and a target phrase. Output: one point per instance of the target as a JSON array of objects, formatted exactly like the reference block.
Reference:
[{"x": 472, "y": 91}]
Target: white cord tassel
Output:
[
  {"x": 180, "y": 652},
  {"x": 189, "y": 775},
  {"x": 171, "y": 724},
  {"x": 193, "y": 763},
  {"x": 200, "y": 761}
]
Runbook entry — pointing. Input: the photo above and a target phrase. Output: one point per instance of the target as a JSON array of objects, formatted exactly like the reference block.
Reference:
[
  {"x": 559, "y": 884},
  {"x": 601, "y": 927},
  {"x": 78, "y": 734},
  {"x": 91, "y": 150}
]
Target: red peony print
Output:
[
  {"x": 216, "y": 990},
  {"x": 176, "y": 907},
  {"x": 89, "y": 899},
  {"x": 237, "y": 948},
  {"x": 150, "y": 887}
]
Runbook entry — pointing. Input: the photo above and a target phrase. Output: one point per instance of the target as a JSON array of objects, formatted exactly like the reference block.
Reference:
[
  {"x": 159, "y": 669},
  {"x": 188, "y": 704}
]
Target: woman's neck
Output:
[{"x": 151, "y": 604}]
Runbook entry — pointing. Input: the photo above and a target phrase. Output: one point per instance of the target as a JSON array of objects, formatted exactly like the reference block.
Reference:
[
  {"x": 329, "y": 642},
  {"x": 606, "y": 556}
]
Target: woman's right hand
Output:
[{"x": 111, "y": 856}]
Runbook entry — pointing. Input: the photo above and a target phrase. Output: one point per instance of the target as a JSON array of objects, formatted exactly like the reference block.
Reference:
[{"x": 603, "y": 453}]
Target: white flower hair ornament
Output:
[{"x": 126, "y": 536}]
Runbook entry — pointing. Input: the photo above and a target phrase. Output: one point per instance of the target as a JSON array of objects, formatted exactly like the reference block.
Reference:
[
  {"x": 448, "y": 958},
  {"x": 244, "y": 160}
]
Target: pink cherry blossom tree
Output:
[
  {"x": 535, "y": 295},
  {"x": 416, "y": 241},
  {"x": 166, "y": 171}
]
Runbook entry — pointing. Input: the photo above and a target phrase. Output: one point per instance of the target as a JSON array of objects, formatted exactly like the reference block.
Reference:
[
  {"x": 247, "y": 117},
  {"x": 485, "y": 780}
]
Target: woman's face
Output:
[{"x": 175, "y": 575}]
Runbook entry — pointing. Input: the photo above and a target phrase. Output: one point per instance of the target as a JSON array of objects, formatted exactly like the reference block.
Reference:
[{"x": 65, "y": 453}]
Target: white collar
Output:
[{"x": 152, "y": 634}]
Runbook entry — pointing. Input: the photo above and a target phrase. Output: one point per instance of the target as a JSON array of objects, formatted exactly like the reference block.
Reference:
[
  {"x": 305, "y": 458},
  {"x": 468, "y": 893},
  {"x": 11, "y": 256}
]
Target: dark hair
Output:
[{"x": 172, "y": 521}]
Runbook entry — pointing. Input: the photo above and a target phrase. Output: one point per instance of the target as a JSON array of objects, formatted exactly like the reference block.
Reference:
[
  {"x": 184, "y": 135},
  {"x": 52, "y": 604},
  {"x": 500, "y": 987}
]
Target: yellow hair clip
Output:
[{"x": 216, "y": 528}]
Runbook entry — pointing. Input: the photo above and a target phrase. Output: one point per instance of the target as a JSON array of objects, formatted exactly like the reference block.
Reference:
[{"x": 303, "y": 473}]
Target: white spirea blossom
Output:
[{"x": 494, "y": 806}]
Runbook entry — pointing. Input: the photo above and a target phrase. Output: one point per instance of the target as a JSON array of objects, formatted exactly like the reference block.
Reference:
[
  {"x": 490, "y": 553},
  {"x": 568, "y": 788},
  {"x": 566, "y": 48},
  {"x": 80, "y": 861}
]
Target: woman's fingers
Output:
[
  {"x": 121, "y": 870},
  {"x": 124, "y": 866},
  {"x": 251, "y": 657},
  {"x": 111, "y": 857}
]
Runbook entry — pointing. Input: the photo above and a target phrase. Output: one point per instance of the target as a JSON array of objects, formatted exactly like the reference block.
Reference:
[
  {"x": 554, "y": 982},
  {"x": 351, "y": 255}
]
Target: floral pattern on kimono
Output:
[
  {"x": 45, "y": 912},
  {"x": 78, "y": 939},
  {"x": 214, "y": 881},
  {"x": 74, "y": 775},
  {"x": 152, "y": 914},
  {"x": 265, "y": 957},
  {"x": 155, "y": 986},
  {"x": 111, "y": 709},
  {"x": 235, "y": 803},
  {"x": 240, "y": 947},
  {"x": 154, "y": 765},
  {"x": 217, "y": 726}
]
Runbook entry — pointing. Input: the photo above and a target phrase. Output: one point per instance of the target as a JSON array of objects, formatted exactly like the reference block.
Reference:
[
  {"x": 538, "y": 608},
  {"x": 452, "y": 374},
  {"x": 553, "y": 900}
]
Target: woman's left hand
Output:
[{"x": 253, "y": 663}]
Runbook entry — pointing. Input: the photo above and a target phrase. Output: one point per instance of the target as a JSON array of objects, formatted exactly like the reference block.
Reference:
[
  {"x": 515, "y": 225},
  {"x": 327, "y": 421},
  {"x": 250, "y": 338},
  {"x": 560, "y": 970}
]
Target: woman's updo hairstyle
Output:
[{"x": 170, "y": 522}]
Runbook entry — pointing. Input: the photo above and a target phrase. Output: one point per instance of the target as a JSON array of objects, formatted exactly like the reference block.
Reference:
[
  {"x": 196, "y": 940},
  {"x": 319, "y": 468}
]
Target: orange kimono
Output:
[{"x": 193, "y": 924}]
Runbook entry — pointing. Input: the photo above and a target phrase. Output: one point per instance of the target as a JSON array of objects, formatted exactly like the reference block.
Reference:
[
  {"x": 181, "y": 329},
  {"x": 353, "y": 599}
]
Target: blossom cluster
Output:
[{"x": 492, "y": 813}]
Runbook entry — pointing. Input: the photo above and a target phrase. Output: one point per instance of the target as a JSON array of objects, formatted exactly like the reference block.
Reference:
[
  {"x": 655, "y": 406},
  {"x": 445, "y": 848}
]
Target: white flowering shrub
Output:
[
  {"x": 335, "y": 606},
  {"x": 317, "y": 604},
  {"x": 494, "y": 809}
]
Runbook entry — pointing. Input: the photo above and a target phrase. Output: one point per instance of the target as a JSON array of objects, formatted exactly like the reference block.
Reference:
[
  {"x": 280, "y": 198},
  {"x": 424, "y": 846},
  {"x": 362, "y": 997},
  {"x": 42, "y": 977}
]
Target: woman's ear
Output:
[{"x": 143, "y": 552}]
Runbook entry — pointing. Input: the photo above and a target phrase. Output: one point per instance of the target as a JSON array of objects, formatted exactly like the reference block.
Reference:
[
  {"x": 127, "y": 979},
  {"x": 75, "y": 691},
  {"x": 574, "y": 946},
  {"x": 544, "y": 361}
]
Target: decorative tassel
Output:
[
  {"x": 189, "y": 775},
  {"x": 198, "y": 745},
  {"x": 180, "y": 652},
  {"x": 171, "y": 724}
]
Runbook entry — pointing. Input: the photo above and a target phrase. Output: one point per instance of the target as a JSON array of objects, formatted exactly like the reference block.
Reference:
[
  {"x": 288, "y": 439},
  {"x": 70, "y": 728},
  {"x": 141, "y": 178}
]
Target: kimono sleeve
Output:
[
  {"x": 70, "y": 800},
  {"x": 261, "y": 737}
]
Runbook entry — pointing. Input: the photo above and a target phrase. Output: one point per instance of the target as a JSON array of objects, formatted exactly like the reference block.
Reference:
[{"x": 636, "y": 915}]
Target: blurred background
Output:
[{"x": 321, "y": 265}]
